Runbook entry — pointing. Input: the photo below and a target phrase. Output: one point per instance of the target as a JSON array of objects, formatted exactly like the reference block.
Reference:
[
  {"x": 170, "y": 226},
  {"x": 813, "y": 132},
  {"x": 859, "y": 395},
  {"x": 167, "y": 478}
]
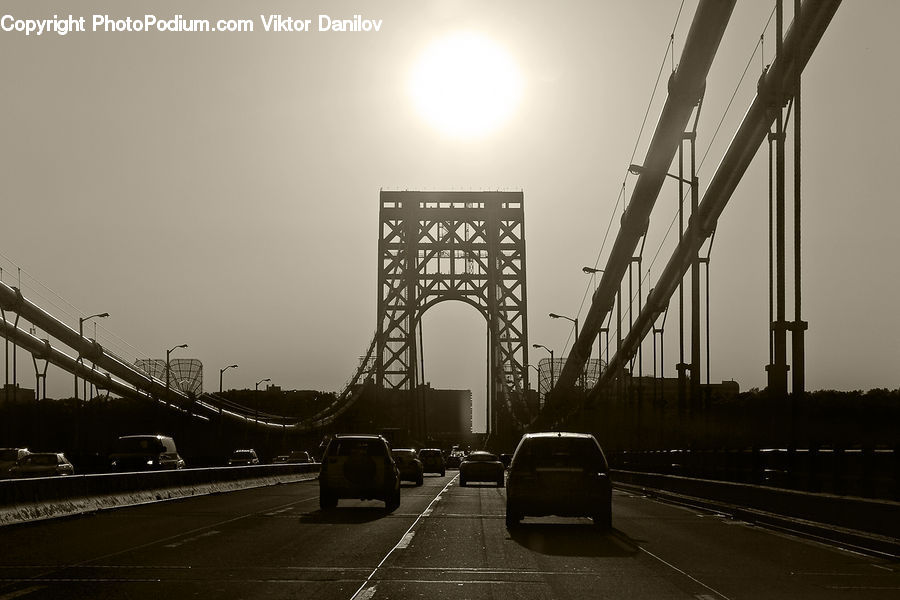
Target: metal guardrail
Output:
[
  {"x": 869, "y": 525},
  {"x": 865, "y": 472}
]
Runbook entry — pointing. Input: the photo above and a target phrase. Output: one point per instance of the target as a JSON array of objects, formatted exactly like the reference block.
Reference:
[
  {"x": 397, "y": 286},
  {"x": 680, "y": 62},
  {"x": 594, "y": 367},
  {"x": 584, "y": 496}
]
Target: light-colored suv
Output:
[
  {"x": 360, "y": 467},
  {"x": 557, "y": 473}
]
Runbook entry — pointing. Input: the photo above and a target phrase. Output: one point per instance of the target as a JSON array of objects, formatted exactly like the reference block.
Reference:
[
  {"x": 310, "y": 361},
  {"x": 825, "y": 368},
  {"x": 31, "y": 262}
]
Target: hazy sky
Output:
[{"x": 221, "y": 189}]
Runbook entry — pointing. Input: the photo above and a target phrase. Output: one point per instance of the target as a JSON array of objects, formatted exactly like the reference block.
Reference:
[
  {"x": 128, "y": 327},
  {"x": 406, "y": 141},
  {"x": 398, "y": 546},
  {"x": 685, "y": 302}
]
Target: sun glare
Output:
[{"x": 465, "y": 85}]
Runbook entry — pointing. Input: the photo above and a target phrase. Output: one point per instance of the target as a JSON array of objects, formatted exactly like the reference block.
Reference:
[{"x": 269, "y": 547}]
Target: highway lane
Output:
[{"x": 444, "y": 541}]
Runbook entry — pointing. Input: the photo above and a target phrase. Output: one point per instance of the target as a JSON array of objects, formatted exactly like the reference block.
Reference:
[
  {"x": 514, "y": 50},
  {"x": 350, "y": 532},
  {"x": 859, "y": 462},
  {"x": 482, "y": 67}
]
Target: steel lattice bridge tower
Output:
[{"x": 466, "y": 246}]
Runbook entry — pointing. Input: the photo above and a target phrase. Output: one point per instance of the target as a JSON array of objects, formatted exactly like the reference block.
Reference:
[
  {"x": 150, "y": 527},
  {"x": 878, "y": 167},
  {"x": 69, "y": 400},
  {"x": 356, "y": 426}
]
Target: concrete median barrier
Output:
[{"x": 23, "y": 500}]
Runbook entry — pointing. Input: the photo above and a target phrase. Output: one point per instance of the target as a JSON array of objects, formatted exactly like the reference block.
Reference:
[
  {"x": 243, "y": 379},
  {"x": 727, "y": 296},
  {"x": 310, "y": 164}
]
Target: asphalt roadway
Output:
[{"x": 444, "y": 541}]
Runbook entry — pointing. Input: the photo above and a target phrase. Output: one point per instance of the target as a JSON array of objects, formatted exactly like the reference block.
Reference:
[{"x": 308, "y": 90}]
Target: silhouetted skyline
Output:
[{"x": 221, "y": 189}]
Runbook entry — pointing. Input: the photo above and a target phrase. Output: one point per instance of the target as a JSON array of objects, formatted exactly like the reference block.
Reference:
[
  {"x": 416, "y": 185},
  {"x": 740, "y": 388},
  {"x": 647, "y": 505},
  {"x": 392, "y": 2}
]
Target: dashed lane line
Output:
[
  {"x": 689, "y": 576},
  {"x": 366, "y": 591},
  {"x": 56, "y": 569},
  {"x": 193, "y": 539},
  {"x": 20, "y": 593}
]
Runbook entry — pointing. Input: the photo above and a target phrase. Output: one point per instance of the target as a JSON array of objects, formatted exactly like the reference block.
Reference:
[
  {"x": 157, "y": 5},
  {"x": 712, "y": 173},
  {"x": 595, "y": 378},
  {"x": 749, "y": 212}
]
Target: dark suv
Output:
[
  {"x": 563, "y": 474},
  {"x": 145, "y": 452},
  {"x": 432, "y": 461},
  {"x": 358, "y": 466}
]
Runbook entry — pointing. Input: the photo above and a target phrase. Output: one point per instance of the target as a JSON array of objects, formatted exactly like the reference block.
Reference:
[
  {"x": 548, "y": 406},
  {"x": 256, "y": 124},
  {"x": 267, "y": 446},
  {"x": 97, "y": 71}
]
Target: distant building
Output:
[
  {"x": 448, "y": 413},
  {"x": 667, "y": 389},
  {"x": 15, "y": 394}
]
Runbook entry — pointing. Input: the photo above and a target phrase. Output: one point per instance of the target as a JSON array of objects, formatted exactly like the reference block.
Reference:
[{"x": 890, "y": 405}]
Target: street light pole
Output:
[
  {"x": 694, "y": 366},
  {"x": 593, "y": 273},
  {"x": 575, "y": 320},
  {"x": 81, "y": 322},
  {"x": 538, "y": 375},
  {"x": 256, "y": 417},
  {"x": 552, "y": 377},
  {"x": 222, "y": 370},
  {"x": 168, "y": 353}
]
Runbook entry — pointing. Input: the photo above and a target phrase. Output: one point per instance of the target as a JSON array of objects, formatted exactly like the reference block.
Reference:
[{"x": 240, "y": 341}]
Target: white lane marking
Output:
[
  {"x": 860, "y": 587},
  {"x": 57, "y": 568},
  {"x": 692, "y": 578},
  {"x": 23, "y": 567},
  {"x": 360, "y": 594},
  {"x": 193, "y": 539},
  {"x": 405, "y": 540},
  {"x": 278, "y": 512},
  {"x": 22, "y": 592},
  {"x": 87, "y": 580},
  {"x": 367, "y": 593}
]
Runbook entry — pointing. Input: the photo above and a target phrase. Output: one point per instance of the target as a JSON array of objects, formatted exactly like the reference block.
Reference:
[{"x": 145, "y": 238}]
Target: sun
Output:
[{"x": 465, "y": 85}]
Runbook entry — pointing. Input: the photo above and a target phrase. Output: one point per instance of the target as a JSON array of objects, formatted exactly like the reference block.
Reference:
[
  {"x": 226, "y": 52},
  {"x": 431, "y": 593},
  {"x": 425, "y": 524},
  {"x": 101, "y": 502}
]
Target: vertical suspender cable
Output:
[{"x": 798, "y": 353}]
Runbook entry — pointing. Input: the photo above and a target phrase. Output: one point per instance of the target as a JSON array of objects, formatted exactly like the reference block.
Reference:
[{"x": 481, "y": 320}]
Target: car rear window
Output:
[
  {"x": 481, "y": 457},
  {"x": 357, "y": 448},
  {"x": 544, "y": 452},
  {"x": 243, "y": 454},
  {"x": 151, "y": 444},
  {"x": 429, "y": 453},
  {"x": 43, "y": 459}
]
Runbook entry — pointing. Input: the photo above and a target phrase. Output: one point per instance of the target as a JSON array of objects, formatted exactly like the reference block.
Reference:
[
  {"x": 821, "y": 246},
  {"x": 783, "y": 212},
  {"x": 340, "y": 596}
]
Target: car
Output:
[
  {"x": 433, "y": 461},
  {"x": 409, "y": 465},
  {"x": 481, "y": 466},
  {"x": 9, "y": 457},
  {"x": 559, "y": 473},
  {"x": 42, "y": 464},
  {"x": 358, "y": 466},
  {"x": 281, "y": 458},
  {"x": 145, "y": 452},
  {"x": 298, "y": 456},
  {"x": 243, "y": 457},
  {"x": 455, "y": 459}
]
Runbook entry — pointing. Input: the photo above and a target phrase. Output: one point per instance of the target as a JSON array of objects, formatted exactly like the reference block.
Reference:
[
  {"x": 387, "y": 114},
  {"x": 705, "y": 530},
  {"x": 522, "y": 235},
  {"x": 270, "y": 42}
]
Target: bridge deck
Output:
[{"x": 443, "y": 542}]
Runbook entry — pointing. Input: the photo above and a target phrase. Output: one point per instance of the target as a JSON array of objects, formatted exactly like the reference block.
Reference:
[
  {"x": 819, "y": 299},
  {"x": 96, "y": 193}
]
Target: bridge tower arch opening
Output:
[
  {"x": 453, "y": 354},
  {"x": 466, "y": 246}
]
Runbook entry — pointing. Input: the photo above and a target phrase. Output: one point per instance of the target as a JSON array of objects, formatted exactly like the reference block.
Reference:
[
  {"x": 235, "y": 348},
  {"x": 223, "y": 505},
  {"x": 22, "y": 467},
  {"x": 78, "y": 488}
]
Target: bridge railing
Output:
[{"x": 866, "y": 472}]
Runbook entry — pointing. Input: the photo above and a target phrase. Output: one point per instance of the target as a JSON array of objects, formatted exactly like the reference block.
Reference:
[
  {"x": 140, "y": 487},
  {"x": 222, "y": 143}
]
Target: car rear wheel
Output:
[
  {"x": 393, "y": 501},
  {"x": 327, "y": 500},
  {"x": 603, "y": 520},
  {"x": 513, "y": 518},
  {"x": 443, "y": 472},
  {"x": 500, "y": 481},
  {"x": 462, "y": 481},
  {"x": 420, "y": 479}
]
